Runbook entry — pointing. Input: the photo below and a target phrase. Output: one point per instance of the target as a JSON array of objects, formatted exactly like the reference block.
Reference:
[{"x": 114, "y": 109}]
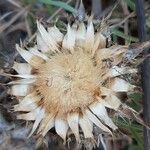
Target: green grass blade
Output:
[
  {"x": 131, "y": 4},
  {"x": 148, "y": 21},
  {"x": 59, "y": 4},
  {"x": 137, "y": 137},
  {"x": 124, "y": 36},
  {"x": 135, "y": 130}
]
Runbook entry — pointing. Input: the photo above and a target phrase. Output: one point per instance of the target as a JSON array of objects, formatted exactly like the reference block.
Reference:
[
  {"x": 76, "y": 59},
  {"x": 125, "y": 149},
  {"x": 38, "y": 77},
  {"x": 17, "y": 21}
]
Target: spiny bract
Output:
[{"x": 69, "y": 81}]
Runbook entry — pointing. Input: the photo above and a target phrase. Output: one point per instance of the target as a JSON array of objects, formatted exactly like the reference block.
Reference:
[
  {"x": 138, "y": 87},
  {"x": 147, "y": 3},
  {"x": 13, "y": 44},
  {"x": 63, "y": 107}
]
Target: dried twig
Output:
[
  {"x": 10, "y": 22},
  {"x": 126, "y": 13},
  {"x": 124, "y": 20},
  {"x": 28, "y": 26},
  {"x": 14, "y": 3},
  {"x": 5, "y": 15},
  {"x": 57, "y": 11}
]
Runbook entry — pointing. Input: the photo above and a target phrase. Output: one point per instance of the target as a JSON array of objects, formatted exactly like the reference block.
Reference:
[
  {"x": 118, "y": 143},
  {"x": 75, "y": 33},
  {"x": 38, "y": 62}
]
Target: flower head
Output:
[{"x": 69, "y": 81}]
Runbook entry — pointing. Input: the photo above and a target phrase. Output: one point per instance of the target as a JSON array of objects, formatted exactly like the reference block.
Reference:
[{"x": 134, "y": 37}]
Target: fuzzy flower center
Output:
[{"x": 68, "y": 81}]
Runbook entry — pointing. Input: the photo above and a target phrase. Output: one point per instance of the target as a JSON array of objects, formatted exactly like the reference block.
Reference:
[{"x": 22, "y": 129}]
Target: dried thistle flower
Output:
[{"x": 69, "y": 81}]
